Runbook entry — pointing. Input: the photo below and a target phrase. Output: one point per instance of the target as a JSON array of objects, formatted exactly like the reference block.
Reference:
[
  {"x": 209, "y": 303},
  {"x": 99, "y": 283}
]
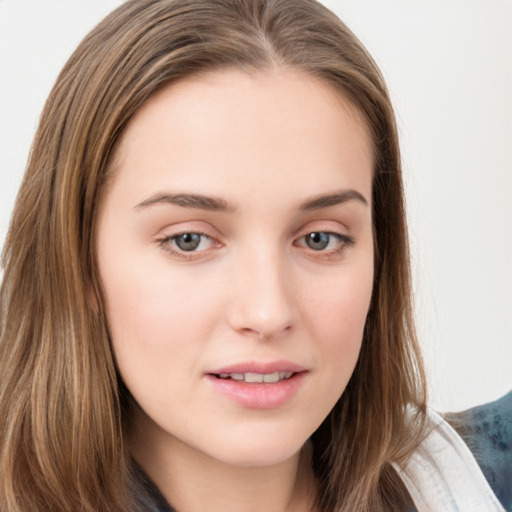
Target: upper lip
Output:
[{"x": 259, "y": 367}]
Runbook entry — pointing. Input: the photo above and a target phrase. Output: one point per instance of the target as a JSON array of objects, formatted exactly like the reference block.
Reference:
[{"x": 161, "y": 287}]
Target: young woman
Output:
[{"x": 206, "y": 299}]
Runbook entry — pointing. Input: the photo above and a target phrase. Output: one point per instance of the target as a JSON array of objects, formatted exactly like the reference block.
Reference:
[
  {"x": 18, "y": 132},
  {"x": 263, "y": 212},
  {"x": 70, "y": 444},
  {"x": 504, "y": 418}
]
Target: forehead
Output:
[{"x": 264, "y": 127}]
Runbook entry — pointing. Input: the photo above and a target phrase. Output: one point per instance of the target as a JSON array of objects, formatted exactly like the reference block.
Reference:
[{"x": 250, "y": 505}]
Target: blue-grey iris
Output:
[
  {"x": 188, "y": 241},
  {"x": 317, "y": 241}
]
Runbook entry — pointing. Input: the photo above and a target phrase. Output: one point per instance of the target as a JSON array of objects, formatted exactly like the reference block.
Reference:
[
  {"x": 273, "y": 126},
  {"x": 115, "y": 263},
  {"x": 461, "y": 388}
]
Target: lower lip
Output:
[{"x": 258, "y": 395}]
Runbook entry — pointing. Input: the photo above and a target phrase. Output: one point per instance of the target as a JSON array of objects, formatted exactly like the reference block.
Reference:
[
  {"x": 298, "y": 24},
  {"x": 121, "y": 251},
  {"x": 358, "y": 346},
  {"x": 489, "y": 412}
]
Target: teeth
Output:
[
  {"x": 253, "y": 377},
  {"x": 257, "y": 377},
  {"x": 271, "y": 377}
]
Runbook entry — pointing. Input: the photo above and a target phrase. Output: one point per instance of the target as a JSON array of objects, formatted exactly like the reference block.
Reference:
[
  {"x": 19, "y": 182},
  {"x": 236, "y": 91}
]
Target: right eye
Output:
[{"x": 189, "y": 242}]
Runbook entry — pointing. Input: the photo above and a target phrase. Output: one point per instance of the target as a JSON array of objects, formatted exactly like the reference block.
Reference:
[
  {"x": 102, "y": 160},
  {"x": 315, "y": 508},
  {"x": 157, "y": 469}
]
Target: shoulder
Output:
[{"x": 487, "y": 430}]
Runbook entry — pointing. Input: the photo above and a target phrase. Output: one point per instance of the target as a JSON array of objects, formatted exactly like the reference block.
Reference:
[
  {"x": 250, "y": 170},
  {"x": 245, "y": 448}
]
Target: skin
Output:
[{"x": 264, "y": 143}]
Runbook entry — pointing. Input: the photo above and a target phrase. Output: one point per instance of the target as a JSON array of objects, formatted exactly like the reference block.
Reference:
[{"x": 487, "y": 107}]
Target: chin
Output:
[
  {"x": 257, "y": 451},
  {"x": 258, "y": 458}
]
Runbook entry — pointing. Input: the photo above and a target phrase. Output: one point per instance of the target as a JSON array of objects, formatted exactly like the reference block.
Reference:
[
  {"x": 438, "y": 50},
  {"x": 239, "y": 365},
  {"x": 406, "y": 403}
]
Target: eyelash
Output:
[{"x": 168, "y": 244}]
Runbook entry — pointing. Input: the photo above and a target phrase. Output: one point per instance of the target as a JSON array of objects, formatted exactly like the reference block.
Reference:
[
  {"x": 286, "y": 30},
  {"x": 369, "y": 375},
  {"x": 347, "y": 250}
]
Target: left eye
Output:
[
  {"x": 318, "y": 240},
  {"x": 322, "y": 240}
]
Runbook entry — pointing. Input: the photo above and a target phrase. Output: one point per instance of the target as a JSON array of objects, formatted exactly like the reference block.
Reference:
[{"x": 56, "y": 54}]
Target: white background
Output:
[{"x": 448, "y": 65}]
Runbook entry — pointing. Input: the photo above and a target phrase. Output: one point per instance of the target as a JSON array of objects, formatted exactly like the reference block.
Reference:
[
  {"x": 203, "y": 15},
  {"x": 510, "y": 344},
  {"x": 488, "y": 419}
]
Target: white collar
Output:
[{"x": 443, "y": 476}]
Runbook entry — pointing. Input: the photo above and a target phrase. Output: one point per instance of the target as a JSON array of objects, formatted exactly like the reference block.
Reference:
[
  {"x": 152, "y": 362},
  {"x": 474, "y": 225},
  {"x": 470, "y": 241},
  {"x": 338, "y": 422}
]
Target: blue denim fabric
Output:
[{"x": 487, "y": 430}]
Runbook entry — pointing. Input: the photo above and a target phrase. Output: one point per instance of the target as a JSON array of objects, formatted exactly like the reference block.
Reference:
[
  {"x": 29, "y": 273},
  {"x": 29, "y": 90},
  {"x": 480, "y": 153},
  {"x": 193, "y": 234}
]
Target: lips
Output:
[
  {"x": 258, "y": 385},
  {"x": 261, "y": 368}
]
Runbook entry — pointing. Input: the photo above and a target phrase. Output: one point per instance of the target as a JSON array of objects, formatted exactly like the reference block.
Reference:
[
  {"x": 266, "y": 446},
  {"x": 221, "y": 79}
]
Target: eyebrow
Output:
[
  {"x": 217, "y": 204},
  {"x": 188, "y": 201},
  {"x": 328, "y": 200}
]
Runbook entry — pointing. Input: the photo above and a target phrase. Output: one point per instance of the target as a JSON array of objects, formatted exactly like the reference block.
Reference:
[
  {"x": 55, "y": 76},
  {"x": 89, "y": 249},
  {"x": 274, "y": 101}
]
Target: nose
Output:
[{"x": 262, "y": 299}]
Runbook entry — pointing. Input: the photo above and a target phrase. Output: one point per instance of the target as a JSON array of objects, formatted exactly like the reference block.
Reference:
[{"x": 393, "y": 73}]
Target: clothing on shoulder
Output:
[{"x": 486, "y": 430}]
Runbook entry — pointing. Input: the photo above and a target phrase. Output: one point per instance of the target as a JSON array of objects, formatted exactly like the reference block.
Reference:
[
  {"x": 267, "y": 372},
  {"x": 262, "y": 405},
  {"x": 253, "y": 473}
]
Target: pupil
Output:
[
  {"x": 317, "y": 241},
  {"x": 188, "y": 241}
]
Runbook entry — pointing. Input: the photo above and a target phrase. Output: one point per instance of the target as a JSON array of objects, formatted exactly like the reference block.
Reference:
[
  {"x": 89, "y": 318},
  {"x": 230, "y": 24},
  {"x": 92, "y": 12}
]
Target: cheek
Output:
[
  {"x": 158, "y": 320},
  {"x": 336, "y": 317},
  {"x": 340, "y": 303}
]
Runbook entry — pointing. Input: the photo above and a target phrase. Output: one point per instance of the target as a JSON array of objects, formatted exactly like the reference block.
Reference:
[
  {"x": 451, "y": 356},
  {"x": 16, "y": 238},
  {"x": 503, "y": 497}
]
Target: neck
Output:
[{"x": 191, "y": 481}]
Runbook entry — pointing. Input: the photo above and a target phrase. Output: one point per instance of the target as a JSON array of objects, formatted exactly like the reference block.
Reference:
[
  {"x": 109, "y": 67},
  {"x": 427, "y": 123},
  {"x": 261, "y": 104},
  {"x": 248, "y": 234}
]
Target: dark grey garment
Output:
[
  {"x": 148, "y": 497},
  {"x": 486, "y": 429}
]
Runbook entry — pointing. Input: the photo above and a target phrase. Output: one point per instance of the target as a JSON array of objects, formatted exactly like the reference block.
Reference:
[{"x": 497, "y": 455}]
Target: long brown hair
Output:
[{"x": 61, "y": 401}]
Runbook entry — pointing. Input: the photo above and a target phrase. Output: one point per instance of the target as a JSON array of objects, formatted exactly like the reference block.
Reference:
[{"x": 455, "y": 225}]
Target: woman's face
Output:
[{"x": 234, "y": 246}]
